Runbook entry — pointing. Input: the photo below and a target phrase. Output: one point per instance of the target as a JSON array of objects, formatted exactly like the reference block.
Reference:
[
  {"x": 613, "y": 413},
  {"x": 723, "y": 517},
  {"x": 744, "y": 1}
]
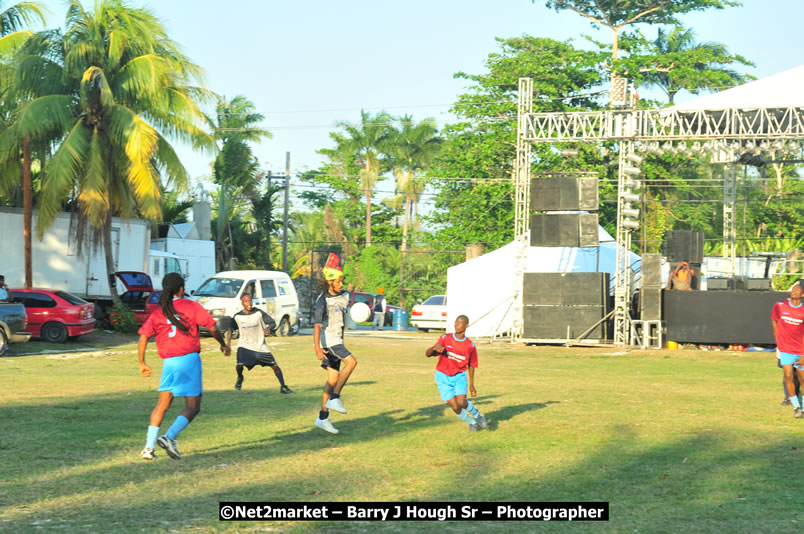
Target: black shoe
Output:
[
  {"x": 239, "y": 382},
  {"x": 786, "y": 402},
  {"x": 285, "y": 389}
]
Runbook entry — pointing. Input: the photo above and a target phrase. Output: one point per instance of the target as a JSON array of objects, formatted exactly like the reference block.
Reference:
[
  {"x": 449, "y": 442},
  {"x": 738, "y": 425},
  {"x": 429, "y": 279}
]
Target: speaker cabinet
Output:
[
  {"x": 564, "y": 230},
  {"x": 565, "y": 289},
  {"x": 758, "y": 284},
  {"x": 650, "y": 304},
  {"x": 562, "y": 322},
  {"x": 651, "y": 270},
  {"x": 564, "y": 194},
  {"x": 685, "y": 245},
  {"x": 720, "y": 284}
]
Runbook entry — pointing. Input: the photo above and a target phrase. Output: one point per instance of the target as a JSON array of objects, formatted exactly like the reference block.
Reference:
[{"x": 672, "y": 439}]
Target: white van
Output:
[{"x": 272, "y": 292}]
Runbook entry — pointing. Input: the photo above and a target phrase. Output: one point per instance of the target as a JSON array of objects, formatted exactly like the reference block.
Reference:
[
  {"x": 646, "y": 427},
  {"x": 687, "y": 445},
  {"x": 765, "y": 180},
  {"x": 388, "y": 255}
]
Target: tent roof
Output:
[{"x": 780, "y": 90}]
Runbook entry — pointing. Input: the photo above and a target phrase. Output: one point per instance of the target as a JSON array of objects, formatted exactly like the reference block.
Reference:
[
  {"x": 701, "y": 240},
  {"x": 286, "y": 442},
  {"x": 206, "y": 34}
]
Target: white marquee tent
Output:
[{"x": 483, "y": 288}]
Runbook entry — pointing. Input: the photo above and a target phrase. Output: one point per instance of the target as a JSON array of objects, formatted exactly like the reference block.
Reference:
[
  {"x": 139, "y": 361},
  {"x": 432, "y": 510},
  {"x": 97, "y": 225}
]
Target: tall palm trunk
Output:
[
  {"x": 405, "y": 224},
  {"x": 368, "y": 216},
  {"x": 109, "y": 256},
  {"x": 27, "y": 216}
]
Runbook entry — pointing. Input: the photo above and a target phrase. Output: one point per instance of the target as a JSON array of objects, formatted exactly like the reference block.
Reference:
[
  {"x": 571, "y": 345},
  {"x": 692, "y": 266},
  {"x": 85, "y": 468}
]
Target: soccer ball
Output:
[{"x": 360, "y": 312}]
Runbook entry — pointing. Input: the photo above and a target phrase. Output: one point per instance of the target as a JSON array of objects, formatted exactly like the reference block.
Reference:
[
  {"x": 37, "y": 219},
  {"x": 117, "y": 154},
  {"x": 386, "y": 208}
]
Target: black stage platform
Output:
[{"x": 720, "y": 317}]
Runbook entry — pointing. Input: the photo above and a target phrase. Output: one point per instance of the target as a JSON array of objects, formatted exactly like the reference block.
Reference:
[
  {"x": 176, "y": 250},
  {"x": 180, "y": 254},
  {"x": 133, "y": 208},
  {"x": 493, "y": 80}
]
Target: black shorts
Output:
[
  {"x": 250, "y": 358},
  {"x": 335, "y": 354}
]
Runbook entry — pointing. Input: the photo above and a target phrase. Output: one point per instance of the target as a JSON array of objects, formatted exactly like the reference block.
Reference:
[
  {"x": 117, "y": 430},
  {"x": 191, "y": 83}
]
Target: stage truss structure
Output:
[{"x": 726, "y": 135}]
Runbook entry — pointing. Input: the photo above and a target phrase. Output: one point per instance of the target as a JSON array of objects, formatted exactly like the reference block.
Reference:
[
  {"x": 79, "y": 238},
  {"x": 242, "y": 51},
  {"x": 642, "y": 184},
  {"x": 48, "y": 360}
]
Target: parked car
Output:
[
  {"x": 368, "y": 300},
  {"x": 272, "y": 291},
  {"x": 430, "y": 314},
  {"x": 13, "y": 325},
  {"x": 55, "y": 315}
]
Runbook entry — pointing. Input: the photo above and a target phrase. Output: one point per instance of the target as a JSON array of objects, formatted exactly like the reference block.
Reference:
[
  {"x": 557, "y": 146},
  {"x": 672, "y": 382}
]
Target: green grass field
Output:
[{"x": 677, "y": 441}]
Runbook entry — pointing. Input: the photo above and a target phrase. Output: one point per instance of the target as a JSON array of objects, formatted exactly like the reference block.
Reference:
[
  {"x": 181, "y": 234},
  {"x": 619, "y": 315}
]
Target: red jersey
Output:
[
  {"x": 789, "y": 326},
  {"x": 170, "y": 341},
  {"x": 460, "y": 354}
]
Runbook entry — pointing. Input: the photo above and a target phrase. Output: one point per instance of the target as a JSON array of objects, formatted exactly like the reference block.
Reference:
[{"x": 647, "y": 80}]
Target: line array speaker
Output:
[
  {"x": 564, "y": 230},
  {"x": 651, "y": 270},
  {"x": 650, "y": 303}
]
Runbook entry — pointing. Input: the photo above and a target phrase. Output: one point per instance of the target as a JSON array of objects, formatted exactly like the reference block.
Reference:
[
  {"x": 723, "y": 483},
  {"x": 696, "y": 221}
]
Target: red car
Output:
[{"x": 55, "y": 315}]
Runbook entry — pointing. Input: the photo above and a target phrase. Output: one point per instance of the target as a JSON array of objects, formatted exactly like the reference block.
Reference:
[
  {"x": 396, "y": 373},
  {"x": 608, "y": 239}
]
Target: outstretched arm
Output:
[
  {"x": 145, "y": 369},
  {"x": 225, "y": 349}
]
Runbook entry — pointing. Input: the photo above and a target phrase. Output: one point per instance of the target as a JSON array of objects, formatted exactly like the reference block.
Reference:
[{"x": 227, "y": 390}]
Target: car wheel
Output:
[
  {"x": 283, "y": 329},
  {"x": 3, "y": 342},
  {"x": 423, "y": 329},
  {"x": 54, "y": 333}
]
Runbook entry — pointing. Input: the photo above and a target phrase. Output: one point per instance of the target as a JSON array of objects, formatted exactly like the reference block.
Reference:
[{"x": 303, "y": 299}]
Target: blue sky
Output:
[{"x": 307, "y": 64}]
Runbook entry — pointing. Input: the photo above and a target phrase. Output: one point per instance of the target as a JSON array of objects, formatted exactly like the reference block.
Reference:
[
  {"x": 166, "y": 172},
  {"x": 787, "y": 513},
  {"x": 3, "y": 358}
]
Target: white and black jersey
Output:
[
  {"x": 329, "y": 310},
  {"x": 252, "y": 328}
]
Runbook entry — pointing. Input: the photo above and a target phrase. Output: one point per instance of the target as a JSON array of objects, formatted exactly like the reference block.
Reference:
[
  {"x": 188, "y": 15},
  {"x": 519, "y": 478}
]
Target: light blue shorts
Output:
[
  {"x": 181, "y": 375},
  {"x": 785, "y": 358},
  {"x": 450, "y": 386}
]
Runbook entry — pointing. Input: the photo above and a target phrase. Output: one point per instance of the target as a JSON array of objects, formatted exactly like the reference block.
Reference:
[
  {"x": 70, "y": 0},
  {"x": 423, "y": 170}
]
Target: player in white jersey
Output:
[{"x": 253, "y": 325}]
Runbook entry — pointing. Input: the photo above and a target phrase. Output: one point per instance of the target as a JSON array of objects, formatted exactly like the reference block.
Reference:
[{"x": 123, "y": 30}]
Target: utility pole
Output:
[
  {"x": 268, "y": 227},
  {"x": 285, "y": 222}
]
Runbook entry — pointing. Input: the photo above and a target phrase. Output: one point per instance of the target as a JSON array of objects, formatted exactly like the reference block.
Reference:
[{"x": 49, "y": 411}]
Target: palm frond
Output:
[{"x": 62, "y": 172}]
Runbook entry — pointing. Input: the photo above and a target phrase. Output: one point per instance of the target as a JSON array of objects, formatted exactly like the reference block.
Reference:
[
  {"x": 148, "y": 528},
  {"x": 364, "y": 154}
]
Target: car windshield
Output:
[
  {"x": 219, "y": 287},
  {"x": 435, "y": 300},
  {"x": 72, "y": 299}
]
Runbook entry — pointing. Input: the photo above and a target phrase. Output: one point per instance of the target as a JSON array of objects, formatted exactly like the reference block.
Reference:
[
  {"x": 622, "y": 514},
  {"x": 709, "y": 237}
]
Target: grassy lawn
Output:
[{"x": 677, "y": 441}]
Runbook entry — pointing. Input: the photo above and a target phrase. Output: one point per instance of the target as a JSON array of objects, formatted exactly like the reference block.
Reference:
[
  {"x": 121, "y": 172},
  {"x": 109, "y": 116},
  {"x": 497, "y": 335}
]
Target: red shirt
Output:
[
  {"x": 789, "y": 326},
  {"x": 170, "y": 341},
  {"x": 460, "y": 354}
]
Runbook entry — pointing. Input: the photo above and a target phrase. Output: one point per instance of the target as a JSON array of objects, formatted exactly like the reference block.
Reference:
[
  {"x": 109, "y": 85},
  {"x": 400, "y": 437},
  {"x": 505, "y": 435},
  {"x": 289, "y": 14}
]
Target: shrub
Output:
[{"x": 123, "y": 319}]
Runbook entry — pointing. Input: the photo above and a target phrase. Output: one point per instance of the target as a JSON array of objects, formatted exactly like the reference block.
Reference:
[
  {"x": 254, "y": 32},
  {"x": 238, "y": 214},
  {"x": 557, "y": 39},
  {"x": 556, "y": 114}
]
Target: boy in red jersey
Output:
[
  {"x": 457, "y": 354},
  {"x": 175, "y": 325},
  {"x": 787, "y": 318}
]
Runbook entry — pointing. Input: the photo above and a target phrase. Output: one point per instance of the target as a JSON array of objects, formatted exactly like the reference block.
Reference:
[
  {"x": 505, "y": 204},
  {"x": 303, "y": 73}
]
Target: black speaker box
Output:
[
  {"x": 564, "y": 230},
  {"x": 758, "y": 284},
  {"x": 651, "y": 270},
  {"x": 560, "y": 322},
  {"x": 650, "y": 303},
  {"x": 685, "y": 245},
  {"x": 565, "y": 289},
  {"x": 720, "y": 284},
  {"x": 564, "y": 194}
]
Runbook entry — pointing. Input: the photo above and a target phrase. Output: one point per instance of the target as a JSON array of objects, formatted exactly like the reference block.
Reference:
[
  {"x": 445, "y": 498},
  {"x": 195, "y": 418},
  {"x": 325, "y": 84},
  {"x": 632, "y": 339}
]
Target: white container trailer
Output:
[
  {"x": 198, "y": 253},
  {"x": 56, "y": 263}
]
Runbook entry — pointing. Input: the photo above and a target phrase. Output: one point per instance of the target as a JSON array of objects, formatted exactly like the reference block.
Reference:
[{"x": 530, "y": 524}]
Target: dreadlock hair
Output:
[{"x": 172, "y": 283}]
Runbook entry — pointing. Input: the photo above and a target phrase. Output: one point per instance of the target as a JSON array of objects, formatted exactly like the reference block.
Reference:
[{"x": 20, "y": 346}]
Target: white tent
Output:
[
  {"x": 483, "y": 288},
  {"x": 780, "y": 90}
]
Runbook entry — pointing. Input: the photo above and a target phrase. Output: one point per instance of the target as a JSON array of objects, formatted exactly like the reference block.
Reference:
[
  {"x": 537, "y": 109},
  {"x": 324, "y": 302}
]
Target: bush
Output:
[{"x": 123, "y": 319}]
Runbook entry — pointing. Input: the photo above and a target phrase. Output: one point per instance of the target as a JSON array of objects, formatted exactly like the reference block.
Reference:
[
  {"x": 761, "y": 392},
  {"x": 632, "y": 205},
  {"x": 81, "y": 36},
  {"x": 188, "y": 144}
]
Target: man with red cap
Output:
[{"x": 328, "y": 325}]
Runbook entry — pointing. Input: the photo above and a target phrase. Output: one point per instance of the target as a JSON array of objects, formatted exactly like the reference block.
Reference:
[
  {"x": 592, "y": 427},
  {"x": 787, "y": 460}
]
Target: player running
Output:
[
  {"x": 253, "y": 325},
  {"x": 787, "y": 318},
  {"x": 328, "y": 320},
  {"x": 175, "y": 325},
  {"x": 456, "y": 354}
]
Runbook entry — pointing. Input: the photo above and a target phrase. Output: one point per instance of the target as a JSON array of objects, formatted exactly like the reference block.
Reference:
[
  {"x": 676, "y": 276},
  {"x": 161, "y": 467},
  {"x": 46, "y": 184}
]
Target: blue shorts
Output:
[
  {"x": 785, "y": 358},
  {"x": 181, "y": 375},
  {"x": 450, "y": 386}
]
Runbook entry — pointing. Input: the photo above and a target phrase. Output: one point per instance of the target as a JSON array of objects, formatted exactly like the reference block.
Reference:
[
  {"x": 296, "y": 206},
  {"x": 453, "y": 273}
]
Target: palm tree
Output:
[
  {"x": 364, "y": 144},
  {"x": 12, "y": 36},
  {"x": 708, "y": 61},
  {"x": 124, "y": 86},
  {"x": 412, "y": 147},
  {"x": 236, "y": 170}
]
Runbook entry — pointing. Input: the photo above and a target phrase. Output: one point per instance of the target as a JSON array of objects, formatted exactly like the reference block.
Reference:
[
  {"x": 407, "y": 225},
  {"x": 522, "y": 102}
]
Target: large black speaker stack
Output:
[
  {"x": 558, "y": 306},
  {"x": 685, "y": 245},
  {"x": 650, "y": 295},
  {"x": 564, "y": 193}
]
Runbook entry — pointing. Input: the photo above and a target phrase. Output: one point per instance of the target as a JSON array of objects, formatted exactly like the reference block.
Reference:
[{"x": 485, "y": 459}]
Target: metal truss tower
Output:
[
  {"x": 521, "y": 202},
  {"x": 724, "y": 134}
]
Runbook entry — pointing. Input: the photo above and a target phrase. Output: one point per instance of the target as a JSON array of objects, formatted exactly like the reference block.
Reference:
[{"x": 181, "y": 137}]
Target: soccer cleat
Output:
[
  {"x": 472, "y": 427},
  {"x": 148, "y": 454},
  {"x": 336, "y": 404},
  {"x": 170, "y": 446},
  {"x": 482, "y": 423},
  {"x": 324, "y": 424},
  {"x": 798, "y": 414},
  {"x": 786, "y": 402},
  {"x": 239, "y": 383},
  {"x": 285, "y": 389}
]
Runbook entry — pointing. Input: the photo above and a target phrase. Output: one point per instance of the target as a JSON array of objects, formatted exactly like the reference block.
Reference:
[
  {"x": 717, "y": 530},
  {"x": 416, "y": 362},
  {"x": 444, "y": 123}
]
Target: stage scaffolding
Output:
[{"x": 725, "y": 135}]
